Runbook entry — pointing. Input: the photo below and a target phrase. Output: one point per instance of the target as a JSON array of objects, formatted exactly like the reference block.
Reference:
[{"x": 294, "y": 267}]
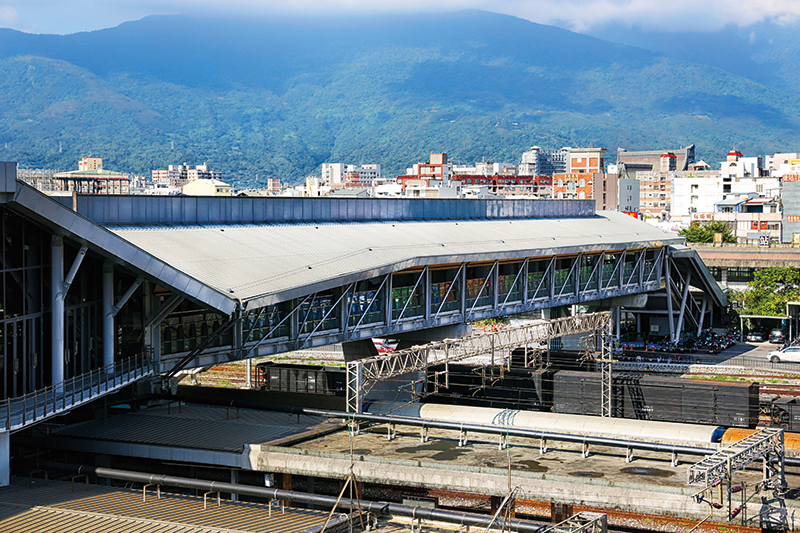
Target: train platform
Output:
[{"x": 600, "y": 478}]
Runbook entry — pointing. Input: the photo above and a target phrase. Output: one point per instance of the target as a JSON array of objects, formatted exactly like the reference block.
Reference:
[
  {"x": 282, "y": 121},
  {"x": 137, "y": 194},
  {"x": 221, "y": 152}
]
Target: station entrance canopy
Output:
[{"x": 228, "y": 278}]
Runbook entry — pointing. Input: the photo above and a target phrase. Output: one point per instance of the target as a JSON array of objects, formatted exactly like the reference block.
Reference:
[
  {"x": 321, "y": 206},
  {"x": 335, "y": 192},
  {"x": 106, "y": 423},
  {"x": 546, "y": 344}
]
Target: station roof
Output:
[
  {"x": 52, "y": 213},
  {"x": 226, "y": 252},
  {"x": 263, "y": 264}
]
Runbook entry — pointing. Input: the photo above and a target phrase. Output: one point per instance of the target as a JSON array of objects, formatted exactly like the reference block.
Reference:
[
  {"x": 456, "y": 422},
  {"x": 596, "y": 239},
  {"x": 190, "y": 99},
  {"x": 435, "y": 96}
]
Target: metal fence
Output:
[
  {"x": 657, "y": 359},
  {"x": 52, "y": 400}
]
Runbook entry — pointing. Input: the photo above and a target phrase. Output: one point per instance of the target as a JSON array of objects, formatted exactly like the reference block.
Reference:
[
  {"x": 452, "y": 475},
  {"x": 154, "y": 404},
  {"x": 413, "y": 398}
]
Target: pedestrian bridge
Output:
[{"x": 193, "y": 281}]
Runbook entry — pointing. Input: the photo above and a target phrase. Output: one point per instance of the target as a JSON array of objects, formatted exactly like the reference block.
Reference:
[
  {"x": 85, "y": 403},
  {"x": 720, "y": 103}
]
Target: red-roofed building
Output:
[{"x": 669, "y": 161}]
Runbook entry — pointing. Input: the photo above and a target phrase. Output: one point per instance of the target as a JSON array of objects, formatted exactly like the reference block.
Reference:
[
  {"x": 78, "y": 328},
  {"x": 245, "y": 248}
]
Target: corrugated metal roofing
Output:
[
  {"x": 270, "y": 263},
  {"x": 196, "y": 426},
  {"x": 55, "y": 508}
]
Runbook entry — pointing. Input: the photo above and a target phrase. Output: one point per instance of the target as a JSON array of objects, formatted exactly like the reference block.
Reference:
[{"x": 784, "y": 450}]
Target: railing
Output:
[
  {"x": 648, "y": 361},
  {"x": 52, "y": 400}
]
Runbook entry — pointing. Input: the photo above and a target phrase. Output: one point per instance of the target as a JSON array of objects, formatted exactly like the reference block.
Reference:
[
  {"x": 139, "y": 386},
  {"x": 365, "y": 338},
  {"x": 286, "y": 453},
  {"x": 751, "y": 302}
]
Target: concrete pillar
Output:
[
  {"x": 57, "y": 309},
  {"x": 5, "y": 458},
  {"x": 108, "y": 315}
]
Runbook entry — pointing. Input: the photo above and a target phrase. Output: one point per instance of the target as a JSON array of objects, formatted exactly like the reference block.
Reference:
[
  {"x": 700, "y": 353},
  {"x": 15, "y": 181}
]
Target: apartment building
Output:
[{"x": 336, "y": 173}]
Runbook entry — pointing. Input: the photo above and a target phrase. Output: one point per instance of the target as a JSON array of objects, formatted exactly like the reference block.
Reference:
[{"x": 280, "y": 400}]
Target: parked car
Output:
[
  {"x": 757, "y": 335},
  {"x": 789, "y": 355},
  {"x": 777, "y": 336}
]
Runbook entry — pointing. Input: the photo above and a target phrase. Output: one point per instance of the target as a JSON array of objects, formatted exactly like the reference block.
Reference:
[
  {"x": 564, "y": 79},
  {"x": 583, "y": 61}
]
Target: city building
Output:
[
  {"x": 539, "y": 162},
  {"x": 486, "y": 168},
  {"x": 791, "y": 208},
  {"x": 687, "y": 194},
  {"x": 614, "y": 194},
  {"x": 749, "y": 216},
  {"x": 628, "y": 199},
  {"x": 180, "y": 175},
  {"x": 632, "y": 162},
  {"x": 273, "y": 185},
  {"x": 586, "y": 161},
  {"x": 508, "y": 184},
  {"x": 386, "y": 187},
  {"x": 573, "y": 186},
  {"x": 205, "y": 187},
  {"x": 335, "y": 173},
  {"x": 92, "y": 178},
  {"x": 90, "y": 163},
  {"x": 436, "y": 172},
  {"x": 775, "y": 164},
  {"x": 736, "y": 165}
]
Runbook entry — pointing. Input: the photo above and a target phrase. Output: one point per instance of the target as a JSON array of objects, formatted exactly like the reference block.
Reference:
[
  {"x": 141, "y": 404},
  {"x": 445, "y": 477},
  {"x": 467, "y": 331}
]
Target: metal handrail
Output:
[{"x": 52, "y": 399}]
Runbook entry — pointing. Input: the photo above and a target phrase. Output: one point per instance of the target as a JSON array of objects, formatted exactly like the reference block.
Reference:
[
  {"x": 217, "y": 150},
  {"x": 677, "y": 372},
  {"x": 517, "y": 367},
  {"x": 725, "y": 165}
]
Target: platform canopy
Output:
[{"x": 264, "y": 264}]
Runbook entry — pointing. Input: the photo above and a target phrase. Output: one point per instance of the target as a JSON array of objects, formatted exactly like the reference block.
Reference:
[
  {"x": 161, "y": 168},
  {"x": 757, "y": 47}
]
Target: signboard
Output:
[
  {"x": 763, "y": 240},
  {"x": 792, "y": 218}
]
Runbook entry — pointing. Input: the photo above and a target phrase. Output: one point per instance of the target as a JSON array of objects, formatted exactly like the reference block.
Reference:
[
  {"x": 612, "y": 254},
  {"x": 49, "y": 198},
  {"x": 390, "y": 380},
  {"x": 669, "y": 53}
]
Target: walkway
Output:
[{"x": 17, "y": 413}]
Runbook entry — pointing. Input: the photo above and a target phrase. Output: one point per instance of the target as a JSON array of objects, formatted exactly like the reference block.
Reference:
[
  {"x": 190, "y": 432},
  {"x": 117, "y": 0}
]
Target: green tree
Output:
[
  {"x": 772, "y": 287},
  {"x": 704, "y": 231}
]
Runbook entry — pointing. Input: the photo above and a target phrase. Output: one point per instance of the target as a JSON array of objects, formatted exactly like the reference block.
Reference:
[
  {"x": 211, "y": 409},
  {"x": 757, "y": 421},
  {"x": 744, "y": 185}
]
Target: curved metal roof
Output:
[{"x": 262, "y": 264}]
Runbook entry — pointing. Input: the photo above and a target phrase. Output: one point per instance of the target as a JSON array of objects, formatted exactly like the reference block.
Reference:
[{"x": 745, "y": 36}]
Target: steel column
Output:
[
  {"x": 683, "y": 303},
  {"x": 108, "y": 314},
  {"x": 57, "y": 309},
  {"x": 670, "y": 317}
]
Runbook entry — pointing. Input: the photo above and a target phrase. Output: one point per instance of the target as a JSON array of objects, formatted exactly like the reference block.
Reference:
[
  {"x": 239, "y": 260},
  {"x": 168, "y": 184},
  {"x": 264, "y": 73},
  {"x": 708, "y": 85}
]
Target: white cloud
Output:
[
  {"x": 8, "y": 14},
  {"x": 676, "y": 15},
  {"x": 65, "y": 16}
]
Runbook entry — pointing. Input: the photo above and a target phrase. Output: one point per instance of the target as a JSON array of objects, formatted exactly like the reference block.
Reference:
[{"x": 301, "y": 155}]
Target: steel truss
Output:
[
  {"x": 388, "y": 308},
  {"x": 605, "y": 362},
  {"x": 678, "y": 291},
  {"x": 766, "y": 444},
  {"x": 364, "y": 374},
  {"x": 582, "y": 522}
]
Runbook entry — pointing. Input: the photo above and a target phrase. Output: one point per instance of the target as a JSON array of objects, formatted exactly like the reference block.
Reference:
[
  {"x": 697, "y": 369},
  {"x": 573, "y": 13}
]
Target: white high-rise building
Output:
[
  {"x": 334, "y": 173},
  {"x": 539, "y": 162}
]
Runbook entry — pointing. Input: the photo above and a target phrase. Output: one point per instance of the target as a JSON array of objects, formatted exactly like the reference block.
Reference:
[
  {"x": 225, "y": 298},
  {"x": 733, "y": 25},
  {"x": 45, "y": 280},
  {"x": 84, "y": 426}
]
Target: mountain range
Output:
[{"x": 276, "y": 97}]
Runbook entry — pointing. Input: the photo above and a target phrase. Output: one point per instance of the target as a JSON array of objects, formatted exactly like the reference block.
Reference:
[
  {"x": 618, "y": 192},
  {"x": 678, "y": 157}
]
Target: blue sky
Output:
[{"x": 70, "y": 16}]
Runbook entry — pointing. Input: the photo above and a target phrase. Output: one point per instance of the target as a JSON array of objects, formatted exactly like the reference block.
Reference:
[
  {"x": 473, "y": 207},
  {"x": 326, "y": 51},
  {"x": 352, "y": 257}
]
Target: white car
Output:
[{"x": 790, "y": 354}]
